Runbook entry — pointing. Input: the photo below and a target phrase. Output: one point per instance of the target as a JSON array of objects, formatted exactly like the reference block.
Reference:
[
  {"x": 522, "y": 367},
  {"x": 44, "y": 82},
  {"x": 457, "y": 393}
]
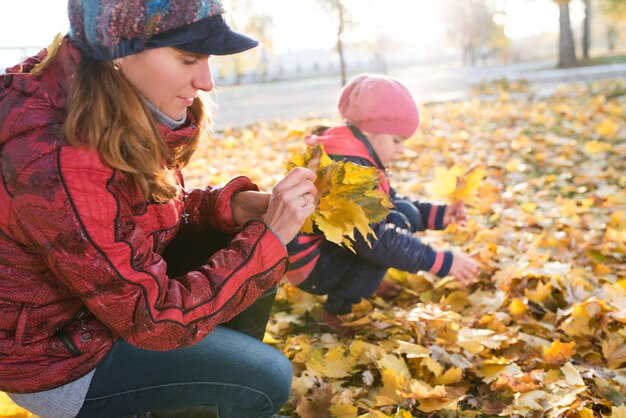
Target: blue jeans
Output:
[
  {"x": 230, "y": 368},
  {"x": 238, "y": 373}
]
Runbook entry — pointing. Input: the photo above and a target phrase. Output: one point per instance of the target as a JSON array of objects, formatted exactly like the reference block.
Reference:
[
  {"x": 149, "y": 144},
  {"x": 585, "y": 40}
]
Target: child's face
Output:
[{"x": 387, "y": 146}]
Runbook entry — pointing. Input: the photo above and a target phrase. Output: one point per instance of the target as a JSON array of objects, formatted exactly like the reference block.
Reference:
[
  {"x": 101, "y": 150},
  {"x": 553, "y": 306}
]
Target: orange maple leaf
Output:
[{"x": 558, "y": 352}]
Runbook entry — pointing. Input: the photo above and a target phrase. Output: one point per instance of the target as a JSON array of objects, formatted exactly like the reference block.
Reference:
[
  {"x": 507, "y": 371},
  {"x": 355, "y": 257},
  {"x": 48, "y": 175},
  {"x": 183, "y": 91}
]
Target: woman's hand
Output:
[
  {"x": 291, "y": 202},
  {"x": 455, "y": 213},
  {"x": 249, "y": 205},
  {"x": 464, "y": 268}
]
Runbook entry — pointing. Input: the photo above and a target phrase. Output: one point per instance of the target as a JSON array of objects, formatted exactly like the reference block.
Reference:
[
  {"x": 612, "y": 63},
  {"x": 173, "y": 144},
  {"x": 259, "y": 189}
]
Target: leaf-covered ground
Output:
[{"x": 543, "y": 333}]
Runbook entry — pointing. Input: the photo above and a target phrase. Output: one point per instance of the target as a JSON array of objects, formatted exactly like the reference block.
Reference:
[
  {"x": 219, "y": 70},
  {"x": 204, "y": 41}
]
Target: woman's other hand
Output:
[
  {"x": 291, "y": 202},
  {"x": 249, "y": 205}
]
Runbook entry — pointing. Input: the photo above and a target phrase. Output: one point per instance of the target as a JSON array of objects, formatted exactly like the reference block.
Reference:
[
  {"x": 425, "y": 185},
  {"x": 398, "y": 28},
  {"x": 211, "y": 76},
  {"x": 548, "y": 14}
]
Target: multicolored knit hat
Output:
[{"x": 109, "y": 29}]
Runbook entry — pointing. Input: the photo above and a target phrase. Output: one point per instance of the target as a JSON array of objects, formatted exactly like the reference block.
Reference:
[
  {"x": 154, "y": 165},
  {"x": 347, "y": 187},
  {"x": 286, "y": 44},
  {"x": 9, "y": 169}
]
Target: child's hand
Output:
[
  {"x": 464, "y": 268},
  {"x": 455, "y": 214}
]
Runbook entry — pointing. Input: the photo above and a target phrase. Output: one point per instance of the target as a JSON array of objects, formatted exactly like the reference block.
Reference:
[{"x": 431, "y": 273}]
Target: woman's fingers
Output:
[
  {"x": 292, "y": 201},
  {"x": 294, "y": 177}
]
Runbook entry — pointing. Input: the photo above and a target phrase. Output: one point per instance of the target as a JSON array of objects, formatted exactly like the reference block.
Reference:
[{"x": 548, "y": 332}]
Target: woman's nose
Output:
[{"x": 203, "y": 79}]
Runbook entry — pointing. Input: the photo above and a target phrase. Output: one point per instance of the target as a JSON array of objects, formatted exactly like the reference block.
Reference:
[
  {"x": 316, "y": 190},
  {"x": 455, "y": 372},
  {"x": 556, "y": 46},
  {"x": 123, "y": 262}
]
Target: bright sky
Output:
[{"x": 299, "y": 24}]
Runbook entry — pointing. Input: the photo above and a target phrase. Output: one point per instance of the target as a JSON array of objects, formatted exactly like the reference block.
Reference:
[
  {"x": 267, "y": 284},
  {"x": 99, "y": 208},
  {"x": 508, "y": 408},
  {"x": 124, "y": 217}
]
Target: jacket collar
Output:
[{"x": 179, "y": 136}]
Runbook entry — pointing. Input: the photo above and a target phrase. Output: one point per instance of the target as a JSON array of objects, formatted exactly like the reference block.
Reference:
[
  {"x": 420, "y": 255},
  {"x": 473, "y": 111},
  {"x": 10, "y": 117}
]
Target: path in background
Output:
[{"x": 240, "y": 106}]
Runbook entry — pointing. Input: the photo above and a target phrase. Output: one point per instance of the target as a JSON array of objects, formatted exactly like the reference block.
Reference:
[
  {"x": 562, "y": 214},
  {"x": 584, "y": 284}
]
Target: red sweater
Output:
[{"x": 80, "y": 246}]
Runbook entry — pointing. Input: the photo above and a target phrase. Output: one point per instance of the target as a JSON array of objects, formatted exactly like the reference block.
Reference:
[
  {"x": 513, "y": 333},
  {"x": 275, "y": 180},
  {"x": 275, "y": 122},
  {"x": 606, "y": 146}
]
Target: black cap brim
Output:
[{"x": 209, "y": 36}]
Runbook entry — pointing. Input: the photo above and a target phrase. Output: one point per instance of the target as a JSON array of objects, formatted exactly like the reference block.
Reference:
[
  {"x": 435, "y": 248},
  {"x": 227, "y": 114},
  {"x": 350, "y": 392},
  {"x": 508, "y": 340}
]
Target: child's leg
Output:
[
  {"x": 331, "y": 266},
  {"x": 360, "y": 281},
  {"x": 344, "y": 277}
]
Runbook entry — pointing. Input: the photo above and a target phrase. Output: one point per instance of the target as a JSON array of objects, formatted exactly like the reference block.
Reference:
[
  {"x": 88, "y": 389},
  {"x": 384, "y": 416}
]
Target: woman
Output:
[{"x": 114, "y": 277}]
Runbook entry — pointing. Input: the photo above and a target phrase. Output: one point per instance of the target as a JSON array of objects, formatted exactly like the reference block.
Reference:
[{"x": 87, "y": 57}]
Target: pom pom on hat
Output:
[{"x": 379, "y": 104}]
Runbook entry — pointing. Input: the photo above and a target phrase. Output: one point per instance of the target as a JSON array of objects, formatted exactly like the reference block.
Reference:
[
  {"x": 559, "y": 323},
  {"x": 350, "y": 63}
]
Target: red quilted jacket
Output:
[{"x": 80, "y": 246}]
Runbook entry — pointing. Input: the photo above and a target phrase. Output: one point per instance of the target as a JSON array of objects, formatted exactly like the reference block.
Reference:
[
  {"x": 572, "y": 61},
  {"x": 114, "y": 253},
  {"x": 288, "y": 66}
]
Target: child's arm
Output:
[
  {"x": 398, "y": 248},
  {"x": 433, "y": 215}
]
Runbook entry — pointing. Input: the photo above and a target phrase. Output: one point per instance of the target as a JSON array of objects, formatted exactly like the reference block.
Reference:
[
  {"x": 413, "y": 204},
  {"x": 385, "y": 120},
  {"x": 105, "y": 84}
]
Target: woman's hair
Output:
[{"x": 106, "y": 113}]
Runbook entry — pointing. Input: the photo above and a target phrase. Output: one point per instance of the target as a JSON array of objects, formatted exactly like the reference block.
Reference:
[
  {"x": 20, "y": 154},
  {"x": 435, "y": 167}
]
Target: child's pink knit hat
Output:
[{"x": 379, "y": 104}]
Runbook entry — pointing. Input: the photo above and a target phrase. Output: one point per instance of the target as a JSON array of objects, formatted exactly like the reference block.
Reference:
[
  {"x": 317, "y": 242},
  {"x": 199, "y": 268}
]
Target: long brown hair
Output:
[{"x": 106, "y": 113}]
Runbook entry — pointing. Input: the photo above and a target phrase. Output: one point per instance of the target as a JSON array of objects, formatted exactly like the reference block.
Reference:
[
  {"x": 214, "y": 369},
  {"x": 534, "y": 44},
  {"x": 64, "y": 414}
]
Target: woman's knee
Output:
[{"x": 283, "y": 379}]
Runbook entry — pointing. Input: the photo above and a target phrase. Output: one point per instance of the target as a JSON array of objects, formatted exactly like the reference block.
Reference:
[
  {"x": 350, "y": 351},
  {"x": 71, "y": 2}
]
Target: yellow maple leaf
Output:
[
  {"x": 344, "y": 410},
  {"x": 422, "y": 390},
  {"x": 411, "y": 350},
  {"x": 348, "y": 197},
  {"x": 334, "y": 363},
  {"x": 469, "y": 183},
  {"x": 402, "y": 414},
  {"x": 455, "y": 184},
  {"x": 614, "y": 351},
  {"x": 596, "y": 147},
  {"x": 396, "y": 364},
  {"x": 540, "y": 294},
  {"x": 529, "y": 207},
  {"x": 585, "y": 413},
  {"x": 444, "y": 183},
  {"x": 518, "y": 308},
  {"x": 450, "y": 377},
  {"x": 431, "y": 405},
  {"x": 559, "y": 352},
  {"x": 578, "y": 322},
  {"x": 572, "y": 375},
  {"x": 299, "y": 300},
  {"x": 607, "y": 127},
  {"x": 375, "y": 414}
]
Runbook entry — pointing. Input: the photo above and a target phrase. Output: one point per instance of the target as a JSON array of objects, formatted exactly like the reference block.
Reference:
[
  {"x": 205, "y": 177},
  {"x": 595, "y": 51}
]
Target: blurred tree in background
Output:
[
  {"x": 470, "y": 26},
  {"x": 339, "y": 12},
  {"x": 586, "y": 39},
  {"x": 614, "y": 12},
  {"x": 567, "y": 48}
]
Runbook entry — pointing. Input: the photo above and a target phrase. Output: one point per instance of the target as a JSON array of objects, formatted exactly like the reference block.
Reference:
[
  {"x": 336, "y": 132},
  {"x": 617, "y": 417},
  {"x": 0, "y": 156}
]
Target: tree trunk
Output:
[
  {"x": 587, "y": 29},
  {"x": 611, "y": 36},
  {"x": 567, "y": 49},
  {"x": 342, "y": 60}
]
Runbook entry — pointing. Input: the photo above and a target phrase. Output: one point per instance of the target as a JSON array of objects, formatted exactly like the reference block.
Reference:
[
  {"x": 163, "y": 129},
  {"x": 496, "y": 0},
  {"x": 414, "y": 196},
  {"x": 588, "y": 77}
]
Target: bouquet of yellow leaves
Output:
[{"x": 347, "y": 196}]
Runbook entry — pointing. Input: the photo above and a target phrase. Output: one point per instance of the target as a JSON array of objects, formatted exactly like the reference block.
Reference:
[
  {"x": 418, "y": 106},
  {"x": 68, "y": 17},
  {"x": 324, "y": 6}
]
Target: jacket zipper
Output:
[
  {"x": 66, "y": 339},
  {"x": 69, "y": 344}
]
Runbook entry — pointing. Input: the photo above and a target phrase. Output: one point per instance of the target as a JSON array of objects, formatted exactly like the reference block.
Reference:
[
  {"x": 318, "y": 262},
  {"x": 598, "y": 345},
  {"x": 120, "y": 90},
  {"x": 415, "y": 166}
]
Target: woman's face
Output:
[{"x": 168, "y": 78}]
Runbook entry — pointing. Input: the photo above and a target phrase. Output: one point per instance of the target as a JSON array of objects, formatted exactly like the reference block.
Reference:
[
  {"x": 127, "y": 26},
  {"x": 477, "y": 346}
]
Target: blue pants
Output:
[
  {"x": 239, "y": 374},
  {"x": 230, "y": 368},
  {"x": 344, "y": 277}
]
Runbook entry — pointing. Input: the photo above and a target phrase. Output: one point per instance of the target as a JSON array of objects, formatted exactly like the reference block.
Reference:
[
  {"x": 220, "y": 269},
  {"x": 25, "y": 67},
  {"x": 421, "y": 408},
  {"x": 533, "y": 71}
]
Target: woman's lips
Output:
[{"x": 188, "y": 101}]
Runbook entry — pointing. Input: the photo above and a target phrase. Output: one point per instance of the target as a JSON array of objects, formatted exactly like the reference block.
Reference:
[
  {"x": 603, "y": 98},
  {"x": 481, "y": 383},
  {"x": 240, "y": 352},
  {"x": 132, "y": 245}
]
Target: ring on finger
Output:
[{"x": 307, "y": 199}]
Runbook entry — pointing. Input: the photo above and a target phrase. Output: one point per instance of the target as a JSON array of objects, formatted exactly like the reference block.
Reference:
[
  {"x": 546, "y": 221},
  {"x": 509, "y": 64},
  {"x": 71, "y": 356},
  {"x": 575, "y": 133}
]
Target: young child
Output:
[{"x": 380, "y": 114}]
